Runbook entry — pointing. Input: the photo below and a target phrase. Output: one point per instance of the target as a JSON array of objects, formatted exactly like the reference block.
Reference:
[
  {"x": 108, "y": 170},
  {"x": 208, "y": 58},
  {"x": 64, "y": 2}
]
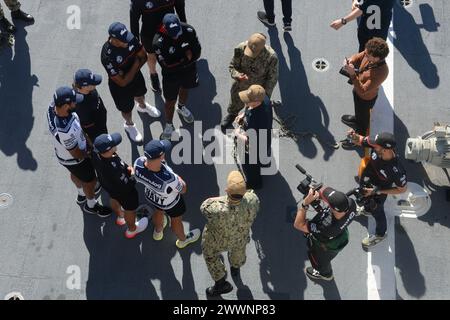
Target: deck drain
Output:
[
  {"x": 320, "y": 65},
  {"x": 406, "y": 3},
  {"x": 14, "y": 296},
  {"x": 5, "y": 200}
]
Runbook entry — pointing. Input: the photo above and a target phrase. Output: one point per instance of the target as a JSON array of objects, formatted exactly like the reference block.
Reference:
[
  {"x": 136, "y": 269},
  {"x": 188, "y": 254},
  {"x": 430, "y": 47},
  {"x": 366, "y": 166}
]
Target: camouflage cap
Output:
[
  {"x": 255, "y": 45},
  {"x": 236, "y": 183},
  {"x": 254, "y": 93}
]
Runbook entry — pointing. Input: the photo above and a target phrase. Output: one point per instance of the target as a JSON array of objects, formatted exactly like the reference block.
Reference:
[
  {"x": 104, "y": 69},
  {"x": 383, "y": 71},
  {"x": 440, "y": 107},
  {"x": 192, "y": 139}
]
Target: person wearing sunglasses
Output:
[
  {"x": 229, "y": 219},
  {"x": 327, "y": 232}
]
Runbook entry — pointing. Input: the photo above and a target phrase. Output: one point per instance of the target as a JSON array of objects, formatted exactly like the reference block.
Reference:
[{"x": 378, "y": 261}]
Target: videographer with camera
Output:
[
  {"x": 327, "y": 232},
  {"x": 367, "y": 71},
  {"x": 385, "y": 174}
]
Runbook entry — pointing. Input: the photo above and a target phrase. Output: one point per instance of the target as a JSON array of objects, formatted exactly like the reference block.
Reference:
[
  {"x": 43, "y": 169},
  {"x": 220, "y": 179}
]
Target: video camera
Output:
[
  {"x": 307, "y": 184},
  {"x": 346, "y": 74},
  {"x": 368, "y": 203}
]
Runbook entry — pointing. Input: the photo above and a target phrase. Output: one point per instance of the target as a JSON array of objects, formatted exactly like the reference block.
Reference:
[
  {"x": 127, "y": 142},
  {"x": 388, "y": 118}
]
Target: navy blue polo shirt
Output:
[{"x": 386, "y": 16}]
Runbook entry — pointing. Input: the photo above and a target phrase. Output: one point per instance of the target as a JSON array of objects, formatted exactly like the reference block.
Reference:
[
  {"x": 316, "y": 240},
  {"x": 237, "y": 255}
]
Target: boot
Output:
[
  {"x": 220, "y": 287},
  {"x": 20, "y": 15},
  {"x": 227, "y": 121}
]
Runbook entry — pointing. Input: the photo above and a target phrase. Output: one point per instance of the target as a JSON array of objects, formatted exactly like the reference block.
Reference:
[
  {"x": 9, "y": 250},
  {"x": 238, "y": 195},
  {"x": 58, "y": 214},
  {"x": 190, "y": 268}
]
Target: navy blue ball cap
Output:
[
  {"x": 106, "y": 142},
  {"x": 155, "y": 148},
  {"x": 85, "y": 77},
  {"x": 65, "y": 95},
  {"x": 172, "y": 25},
  {"x": 120, "y": 32}
]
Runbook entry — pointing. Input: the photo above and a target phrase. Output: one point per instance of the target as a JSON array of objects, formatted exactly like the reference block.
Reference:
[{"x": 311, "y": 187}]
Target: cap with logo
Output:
[
  {"x": 255, "y": 93},
  {"x": 106, "y": 142},
  {"x": 120, "y": 32},
  {"x": 236, "y": 183},
  {"x": 65, "y": 95},
  {"x": 155, "y": 148},
  {"x": 85, "y": 77},
  {"x": 172, "y": 25},
  {"x": 255, "y": 44},
  {"x": 385, "y": 140},
  {"x": 337, "y": 200}
]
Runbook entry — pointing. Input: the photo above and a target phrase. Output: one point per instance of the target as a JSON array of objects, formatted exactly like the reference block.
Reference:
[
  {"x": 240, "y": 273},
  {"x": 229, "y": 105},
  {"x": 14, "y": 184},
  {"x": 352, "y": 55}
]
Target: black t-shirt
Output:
[
  {"x": 113, "y": 174},
  {"x": 324, "y": 226},
  {"x": 116, "y": 59},
  {"x": 92, "y": 114},
  {"x": 169, "y": 51},
  {"x": 384, "y": 174},
  {"x": 368, "y": 9},
  {"x": 152, "y": 13}
]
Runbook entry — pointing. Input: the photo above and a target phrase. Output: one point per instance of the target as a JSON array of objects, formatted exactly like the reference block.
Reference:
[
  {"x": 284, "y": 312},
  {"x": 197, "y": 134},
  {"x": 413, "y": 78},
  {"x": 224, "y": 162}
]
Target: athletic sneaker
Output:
[
  {"x": 185, "y": 113},
  {"x": 349, "y": 120},
  {"x": 157, "y": 236},
  {"x": 287, "y": 27},
  {"x": 372, "y": 240},
  {"x": 315, "y": 274},
  {"x": 154, "y": 83},
  {"x": 133, "y": 133},
  {"x": 120, "y": 221},
  {"x": 98, "y": 209},
  {"x": 81, "y": 199},
  {"x": 151, "y": 110},
  {"x": 191, "y": 237},
  {"x": 141, "y": 225},
  {"x": 167, "y": 133},
  {"x": 262, "y": 16}
]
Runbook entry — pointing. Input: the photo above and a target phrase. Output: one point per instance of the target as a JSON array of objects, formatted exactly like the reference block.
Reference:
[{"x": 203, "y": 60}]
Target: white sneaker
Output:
[
  {"x": 157, "y": 236},
  {"x": 186, "y": 114},
  {"x": 133, "y": 133},
  {"x": 167, "y": 133},
  {"x": 151, "y": 110},
  {"x": 141, "y": 225},
  {"x": 120, "y": 221},
  {"x": 191, "y": 237}
]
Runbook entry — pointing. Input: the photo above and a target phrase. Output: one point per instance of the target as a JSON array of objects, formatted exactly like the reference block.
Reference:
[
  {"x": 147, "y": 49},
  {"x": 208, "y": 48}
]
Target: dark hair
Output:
[{"x": 377, "y": 48}]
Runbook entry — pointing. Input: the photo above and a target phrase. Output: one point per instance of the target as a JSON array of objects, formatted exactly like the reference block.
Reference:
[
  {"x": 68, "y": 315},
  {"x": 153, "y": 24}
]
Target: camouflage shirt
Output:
[
  {"x": 229, "y": 223},
  {"x": 262, "y": 70}
]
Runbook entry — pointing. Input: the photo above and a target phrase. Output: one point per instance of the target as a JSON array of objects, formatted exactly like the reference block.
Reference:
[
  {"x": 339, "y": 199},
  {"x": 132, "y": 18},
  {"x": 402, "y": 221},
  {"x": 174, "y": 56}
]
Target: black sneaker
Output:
[
  {"x": 262, "y": 16},
  {"x": 20, "y": 15},
  {"x": 98, "y": 209},
  {"x": 349, "y": 120},
  {"x": 219, "y": 288},
  {"x": 227, "y": 122},
  {"x": 347, "y": 145},
  {"x": 81, "y": 199},
  {"x": 7, "y": 26},
  {"x": 315, "y": 275},
  {"x": 154, "y": 83},
  {"x": 287, "y": 27}
]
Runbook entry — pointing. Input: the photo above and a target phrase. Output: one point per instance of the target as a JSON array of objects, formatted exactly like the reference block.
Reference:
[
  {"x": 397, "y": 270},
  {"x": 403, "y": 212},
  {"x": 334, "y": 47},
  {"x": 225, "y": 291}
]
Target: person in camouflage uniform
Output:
[
  {"x": 229, "y": 218},
  {"x": 16, "y": 14},
  {"x": 253, "y": 62}
]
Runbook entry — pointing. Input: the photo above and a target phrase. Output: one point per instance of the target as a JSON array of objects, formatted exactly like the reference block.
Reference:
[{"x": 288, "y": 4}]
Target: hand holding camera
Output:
[{"x": 348, "y": 70}]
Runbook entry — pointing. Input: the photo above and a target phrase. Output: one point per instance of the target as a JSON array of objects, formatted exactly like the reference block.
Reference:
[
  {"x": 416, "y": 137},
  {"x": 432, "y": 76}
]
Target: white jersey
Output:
[
  {"x": 163, "y": 188},
  {"x": 67, "y": 135}
]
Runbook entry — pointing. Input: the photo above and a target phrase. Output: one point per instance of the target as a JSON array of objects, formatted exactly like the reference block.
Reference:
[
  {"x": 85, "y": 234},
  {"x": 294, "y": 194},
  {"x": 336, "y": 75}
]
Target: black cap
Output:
[
  {"x": 385, "y": 140},
  {"x": 337, "y": 200},
  {"x": 106, "y": 142}
]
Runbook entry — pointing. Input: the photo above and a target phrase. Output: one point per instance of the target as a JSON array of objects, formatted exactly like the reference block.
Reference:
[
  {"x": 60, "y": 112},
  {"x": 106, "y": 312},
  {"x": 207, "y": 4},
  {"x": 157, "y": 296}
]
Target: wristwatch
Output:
[
  {"x": 304, "y": 206},
  {"x": 343, "y": 21}
]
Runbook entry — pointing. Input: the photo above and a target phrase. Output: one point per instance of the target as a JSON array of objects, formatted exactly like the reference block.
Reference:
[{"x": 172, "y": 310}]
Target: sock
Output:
[
  {"x": 91, "y": 203},
  {"x": 80, "y": 192}
]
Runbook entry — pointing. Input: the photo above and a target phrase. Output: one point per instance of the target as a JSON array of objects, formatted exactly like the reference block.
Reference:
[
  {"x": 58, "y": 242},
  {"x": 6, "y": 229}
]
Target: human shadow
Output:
[
  {"x": 16, "y": 93},
  {"x": 308, "y": 111},
  {"x": 409, "y": 42},
  {"x": 280, "y": 248},
  {"x": 117, "y": 266}
]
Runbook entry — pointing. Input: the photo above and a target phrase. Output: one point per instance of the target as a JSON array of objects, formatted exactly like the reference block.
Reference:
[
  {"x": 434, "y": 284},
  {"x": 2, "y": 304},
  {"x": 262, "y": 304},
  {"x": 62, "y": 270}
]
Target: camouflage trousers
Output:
[
  {"x": 13, "y": 5},
  {"x": 236, "y": 104},
  {"x": 211, "y": 254}
]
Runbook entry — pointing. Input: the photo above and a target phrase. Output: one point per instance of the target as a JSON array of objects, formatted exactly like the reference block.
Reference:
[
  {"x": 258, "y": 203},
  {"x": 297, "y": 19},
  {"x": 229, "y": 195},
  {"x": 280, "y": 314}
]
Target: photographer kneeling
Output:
[
  {"x": 327, "y": 232},
  {"x": 382, "y": 175}
]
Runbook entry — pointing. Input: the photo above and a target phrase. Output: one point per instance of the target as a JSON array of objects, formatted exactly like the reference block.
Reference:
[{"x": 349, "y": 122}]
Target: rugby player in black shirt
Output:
[
  {"x": 123, "y": 56},
  {"x": 387, "y": 175},
  {"x": 152, "y": 13}
]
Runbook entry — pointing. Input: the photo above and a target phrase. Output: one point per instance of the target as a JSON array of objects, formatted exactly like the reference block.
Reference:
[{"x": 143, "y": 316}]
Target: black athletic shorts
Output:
[
  {"x": 172, "y": 82},
  {"x": 178, "y": 210},
  {"x": 83, "y": 170},
  {"x": 128, "y": 200},
  {"x": 147, "y": 41},
  {"x": 124, "y": 96}
]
